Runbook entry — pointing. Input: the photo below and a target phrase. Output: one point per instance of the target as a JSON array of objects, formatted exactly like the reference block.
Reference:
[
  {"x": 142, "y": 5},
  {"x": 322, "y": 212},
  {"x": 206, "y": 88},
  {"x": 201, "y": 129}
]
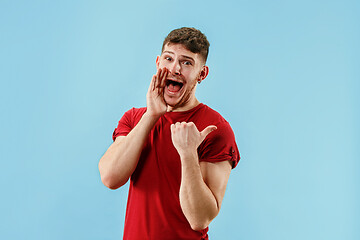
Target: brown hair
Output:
[{"x": 194, "y": 40}]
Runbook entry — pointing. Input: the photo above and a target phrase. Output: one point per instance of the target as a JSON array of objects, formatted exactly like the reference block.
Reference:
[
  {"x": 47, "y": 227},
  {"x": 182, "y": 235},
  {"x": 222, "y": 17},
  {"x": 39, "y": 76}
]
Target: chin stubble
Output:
[{"x": 184, "y": 100}]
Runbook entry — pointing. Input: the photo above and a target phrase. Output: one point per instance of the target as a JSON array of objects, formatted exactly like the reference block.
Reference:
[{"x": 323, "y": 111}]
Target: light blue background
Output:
[{"x": 285, "y": 74}]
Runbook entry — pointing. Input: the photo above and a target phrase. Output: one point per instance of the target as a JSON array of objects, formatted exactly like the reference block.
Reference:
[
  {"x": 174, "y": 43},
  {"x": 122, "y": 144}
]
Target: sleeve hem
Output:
[{"x": 231, "y": 159}]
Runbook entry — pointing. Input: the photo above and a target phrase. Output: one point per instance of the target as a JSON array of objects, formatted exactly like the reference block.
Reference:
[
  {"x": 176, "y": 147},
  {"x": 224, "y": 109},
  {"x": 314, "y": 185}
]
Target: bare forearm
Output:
[
  {"x": 120, "y": 160},
  {"x": 198, "y": 203}
]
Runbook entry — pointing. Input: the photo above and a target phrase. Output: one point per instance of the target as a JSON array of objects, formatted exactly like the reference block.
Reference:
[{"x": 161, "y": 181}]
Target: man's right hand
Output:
[
  {"x": 156, "y": 105},
  {"x": 119, "y": 162}
]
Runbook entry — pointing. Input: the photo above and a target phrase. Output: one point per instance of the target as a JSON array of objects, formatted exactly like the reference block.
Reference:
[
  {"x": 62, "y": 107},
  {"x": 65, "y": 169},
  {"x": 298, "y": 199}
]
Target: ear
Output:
[
  {"x": 203, "y": 74},
  {"x": 157, "y": 62}
]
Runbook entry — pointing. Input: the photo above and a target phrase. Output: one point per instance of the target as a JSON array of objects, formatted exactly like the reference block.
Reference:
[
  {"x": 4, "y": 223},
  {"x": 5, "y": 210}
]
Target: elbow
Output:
[
  {"x": 111, "y": 180},
  {"x": 198, "y": 226},
  {"x": 112, "y": 183},
  {"x": 108, "y": 183},
  {"x": 199, "y": 223}
]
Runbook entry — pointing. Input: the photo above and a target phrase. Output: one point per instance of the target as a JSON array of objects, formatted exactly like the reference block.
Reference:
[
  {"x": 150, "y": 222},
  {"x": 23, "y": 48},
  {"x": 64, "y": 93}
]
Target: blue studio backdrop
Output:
[{"x": 285, "y": 74}]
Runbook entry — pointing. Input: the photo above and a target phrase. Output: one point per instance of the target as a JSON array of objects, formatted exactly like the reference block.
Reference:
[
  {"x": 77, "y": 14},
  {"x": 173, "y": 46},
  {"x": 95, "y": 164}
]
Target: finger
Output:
[
  {"x": 159, "y": 81},
  {"x": 163, "y": 71},
  {"x": 207, "y": 130},
  {"x": 163, "y": 79},
  {"x": 159, "y": 74},
  {"x": 153, "y": 80},
  {"x": 191, "y": 124},
  {"x": 156, "y": 79},
  {"x": 152, "y": 83}
]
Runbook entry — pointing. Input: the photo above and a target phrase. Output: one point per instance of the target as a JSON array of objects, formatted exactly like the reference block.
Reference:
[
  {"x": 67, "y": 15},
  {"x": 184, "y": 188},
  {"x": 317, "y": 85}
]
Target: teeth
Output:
[
  {"x": 170, "y": 80},
  {"x": 174, "y": 82}
]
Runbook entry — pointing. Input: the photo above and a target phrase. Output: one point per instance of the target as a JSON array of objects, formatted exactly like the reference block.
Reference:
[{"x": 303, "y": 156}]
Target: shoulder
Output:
[
  {"x": 128, "y": 121},
  {"x": 210, "y": 112},
  {"x": 208, "y": 116},
  {"x": 132, "y": 116},
  {"x": 219, "y": 145},
  {"x": 135, "y": 113}
]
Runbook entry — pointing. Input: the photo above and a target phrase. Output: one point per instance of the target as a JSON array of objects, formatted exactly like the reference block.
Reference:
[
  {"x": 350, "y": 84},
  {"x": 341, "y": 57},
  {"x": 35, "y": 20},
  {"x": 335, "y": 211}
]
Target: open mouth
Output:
[{"x": 174, "y": 86}]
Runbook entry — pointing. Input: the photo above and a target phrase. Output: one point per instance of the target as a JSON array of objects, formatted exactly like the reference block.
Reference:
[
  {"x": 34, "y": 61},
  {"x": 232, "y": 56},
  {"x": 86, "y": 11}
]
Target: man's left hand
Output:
[{"x": 187, "y": 138}]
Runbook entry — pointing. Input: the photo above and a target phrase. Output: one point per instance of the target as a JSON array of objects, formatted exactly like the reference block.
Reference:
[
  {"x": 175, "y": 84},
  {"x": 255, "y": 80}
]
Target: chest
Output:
[{"x": 159, "y": 161}]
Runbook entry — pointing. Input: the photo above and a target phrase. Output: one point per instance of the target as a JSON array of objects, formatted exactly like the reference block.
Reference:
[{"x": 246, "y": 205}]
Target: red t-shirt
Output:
[{"x": 153, "y": 208}]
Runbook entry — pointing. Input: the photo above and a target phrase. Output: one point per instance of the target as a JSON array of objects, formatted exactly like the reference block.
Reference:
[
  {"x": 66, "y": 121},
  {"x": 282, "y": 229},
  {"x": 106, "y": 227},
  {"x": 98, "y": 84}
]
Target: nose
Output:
[{"x": 175, "y": 68}]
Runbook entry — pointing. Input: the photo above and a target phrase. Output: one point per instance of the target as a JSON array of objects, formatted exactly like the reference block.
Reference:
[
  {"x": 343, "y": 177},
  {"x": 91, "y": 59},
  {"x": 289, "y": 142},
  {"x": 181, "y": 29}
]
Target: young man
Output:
[{"x": 177, "y": 152}]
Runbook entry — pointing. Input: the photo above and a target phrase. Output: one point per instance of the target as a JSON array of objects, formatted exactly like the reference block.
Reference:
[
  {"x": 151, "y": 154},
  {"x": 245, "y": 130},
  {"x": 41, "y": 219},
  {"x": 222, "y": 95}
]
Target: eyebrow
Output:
[{"x": 184, "y": 56}]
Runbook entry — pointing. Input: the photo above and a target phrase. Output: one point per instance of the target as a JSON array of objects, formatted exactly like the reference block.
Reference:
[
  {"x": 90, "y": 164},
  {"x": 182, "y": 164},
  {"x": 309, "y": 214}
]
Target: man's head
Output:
[
  {"x": 191, "y": 38},
  {"x": 184, "y": 55}
]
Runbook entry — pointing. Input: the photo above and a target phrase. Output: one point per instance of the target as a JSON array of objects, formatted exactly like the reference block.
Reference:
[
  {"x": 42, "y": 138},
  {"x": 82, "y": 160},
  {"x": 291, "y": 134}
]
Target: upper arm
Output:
[
  {"x": 216, "y": 176},
  {"x": 118, "y": 139}
]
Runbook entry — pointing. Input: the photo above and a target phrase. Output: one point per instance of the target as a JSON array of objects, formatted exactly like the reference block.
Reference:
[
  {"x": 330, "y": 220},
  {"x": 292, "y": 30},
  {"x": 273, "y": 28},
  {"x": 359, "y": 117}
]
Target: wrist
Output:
[
  {"x": 149, "y": 119},
  {"x": 152, "y": 116},
  {"x": 188, "y": 156}
]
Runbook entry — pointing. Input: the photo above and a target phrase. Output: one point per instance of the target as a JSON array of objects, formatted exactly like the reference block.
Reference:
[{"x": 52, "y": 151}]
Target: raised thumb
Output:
[{"x": 208, "y": 130}]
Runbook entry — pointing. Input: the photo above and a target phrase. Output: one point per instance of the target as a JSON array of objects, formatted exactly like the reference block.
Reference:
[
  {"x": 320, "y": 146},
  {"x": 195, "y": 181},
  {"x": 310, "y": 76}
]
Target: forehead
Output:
[{"x": 180, "y": 50}]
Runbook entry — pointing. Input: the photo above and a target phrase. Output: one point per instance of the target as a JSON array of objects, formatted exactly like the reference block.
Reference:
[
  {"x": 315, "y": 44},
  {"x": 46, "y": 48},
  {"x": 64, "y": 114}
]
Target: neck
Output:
[{"x": 186, "y": 107}]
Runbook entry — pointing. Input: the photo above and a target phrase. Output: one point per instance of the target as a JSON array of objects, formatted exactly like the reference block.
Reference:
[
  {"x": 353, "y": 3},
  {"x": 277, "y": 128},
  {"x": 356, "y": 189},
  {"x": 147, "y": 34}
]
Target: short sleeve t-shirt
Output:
[{"x": 153, "y": 208}]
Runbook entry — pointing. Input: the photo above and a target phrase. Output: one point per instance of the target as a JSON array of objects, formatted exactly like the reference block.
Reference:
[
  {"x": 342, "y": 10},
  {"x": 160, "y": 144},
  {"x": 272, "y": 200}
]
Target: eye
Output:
[
  {"x": 168, "y": 58},
  {"x": 187, "y": 63}
]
